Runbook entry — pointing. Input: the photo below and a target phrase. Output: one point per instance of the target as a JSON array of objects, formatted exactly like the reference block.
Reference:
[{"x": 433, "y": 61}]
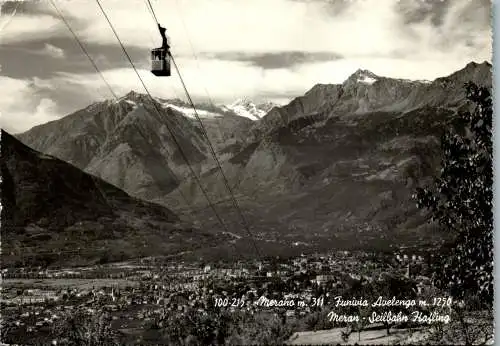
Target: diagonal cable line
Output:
[
  {"x": 83, "y": 48},
  {"x": 214, "y": 155},
  {"x": 197, "y": 64},
  {"x": 7, "y": 22},
  {"x": 183, "y": 154},
  {"x": 176, "y": 179},
  {"x": 152, "y": 11}
]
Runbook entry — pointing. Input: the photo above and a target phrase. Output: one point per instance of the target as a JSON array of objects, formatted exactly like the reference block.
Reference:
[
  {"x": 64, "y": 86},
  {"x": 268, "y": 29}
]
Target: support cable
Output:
[
  {"x": 166, "y": 123},
  {"x": 214, "y": 155}
]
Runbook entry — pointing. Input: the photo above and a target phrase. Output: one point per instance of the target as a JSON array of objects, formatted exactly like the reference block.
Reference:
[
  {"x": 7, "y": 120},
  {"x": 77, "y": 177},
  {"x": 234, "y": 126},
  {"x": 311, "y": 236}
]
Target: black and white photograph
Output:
[{"x": 246, "y": 172}]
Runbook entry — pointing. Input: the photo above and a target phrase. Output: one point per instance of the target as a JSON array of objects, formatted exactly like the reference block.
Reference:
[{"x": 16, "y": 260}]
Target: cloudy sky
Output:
[{"x": 263, "y": 49}]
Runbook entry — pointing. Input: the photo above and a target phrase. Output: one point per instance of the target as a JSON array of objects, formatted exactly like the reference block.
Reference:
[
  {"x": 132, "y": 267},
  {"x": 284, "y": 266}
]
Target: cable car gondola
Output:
[{"x": 160, "y": 57}]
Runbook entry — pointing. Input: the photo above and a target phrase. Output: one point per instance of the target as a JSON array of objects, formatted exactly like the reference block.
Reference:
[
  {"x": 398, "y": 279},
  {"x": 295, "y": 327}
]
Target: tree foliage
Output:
[
  {"x": 460, "y": 198},
  {"x": 221, "y": 327},
  {"x": 6, "y": 326},
  {"x": 81, "y": 329},
  {"x": 259, "y": 329},
  {"x": 194, "y": 327}
]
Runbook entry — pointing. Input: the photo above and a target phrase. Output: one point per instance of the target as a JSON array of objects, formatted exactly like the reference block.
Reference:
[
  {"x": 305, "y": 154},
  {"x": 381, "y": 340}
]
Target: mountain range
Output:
[
  {"x": 128, "y": 142},
  {"x": 335, "y": 167}
]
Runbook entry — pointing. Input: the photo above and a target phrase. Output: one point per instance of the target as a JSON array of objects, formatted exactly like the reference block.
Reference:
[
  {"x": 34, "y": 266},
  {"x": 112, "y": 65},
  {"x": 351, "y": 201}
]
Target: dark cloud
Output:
[
  {"x": 22, "y": 7},
  {"x": 414, "y": 11},
  {"x": 26, "y": 59},
  {"x": 275, "y": 60}
]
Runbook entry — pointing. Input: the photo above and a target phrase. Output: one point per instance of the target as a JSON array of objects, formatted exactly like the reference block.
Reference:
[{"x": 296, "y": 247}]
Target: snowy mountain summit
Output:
[
  {"x": 367, "y": 77},
  {"x": 245, "y": 107},
  {"x": 363, "y": 77}
]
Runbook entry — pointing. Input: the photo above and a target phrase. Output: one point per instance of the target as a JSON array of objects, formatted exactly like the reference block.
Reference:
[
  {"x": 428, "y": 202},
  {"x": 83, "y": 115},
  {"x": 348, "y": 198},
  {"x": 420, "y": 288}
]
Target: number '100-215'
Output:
[{"x": 223, "y": 302}]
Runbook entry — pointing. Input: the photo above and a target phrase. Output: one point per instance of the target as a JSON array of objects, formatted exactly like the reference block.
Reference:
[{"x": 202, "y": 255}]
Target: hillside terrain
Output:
[
  {"x": 54, "y": 214},
  {"x": 339, "y": 164}
]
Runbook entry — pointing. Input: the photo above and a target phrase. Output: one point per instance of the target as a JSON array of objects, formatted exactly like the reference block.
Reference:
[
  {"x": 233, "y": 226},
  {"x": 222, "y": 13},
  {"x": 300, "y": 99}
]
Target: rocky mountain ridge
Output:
[
  {"x": 364, "y": 92},
  {"x": 245, "y": 107},
  {"x": 136, "y": 132}
]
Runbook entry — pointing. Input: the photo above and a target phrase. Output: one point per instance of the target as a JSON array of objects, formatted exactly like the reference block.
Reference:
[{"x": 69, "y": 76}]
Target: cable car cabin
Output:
[{"x": 160, "y": 62}]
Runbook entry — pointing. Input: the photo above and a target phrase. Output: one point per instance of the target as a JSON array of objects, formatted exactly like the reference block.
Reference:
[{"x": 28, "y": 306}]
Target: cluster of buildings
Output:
[{"x": 143, "y": 291}]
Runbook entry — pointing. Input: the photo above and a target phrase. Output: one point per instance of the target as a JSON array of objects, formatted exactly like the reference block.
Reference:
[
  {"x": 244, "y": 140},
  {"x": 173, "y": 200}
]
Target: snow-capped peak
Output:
[
  {"x": 245, "y": 107},
  {"x": 190, "y": 112},
  {"x": 267, "y": 106},
  {"x": 363, "y": 76},
  {"x": 367, "y": 80},
  {"x": 130, "y": 102},
  {"x": 244, "y": 101}
]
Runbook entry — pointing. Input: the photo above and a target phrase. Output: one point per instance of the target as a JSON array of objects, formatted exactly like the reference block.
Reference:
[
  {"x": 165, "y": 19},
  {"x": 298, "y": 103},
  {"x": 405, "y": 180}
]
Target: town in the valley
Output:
[{"x": 136, "y": 293}]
